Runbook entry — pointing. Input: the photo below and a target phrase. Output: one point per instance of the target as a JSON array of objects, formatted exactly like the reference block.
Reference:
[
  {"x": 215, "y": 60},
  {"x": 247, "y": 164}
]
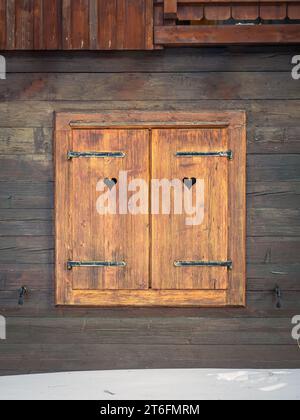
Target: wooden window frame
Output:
[
  {"x": 167, "y": 33},
  {"x": 235, "y": 295}
]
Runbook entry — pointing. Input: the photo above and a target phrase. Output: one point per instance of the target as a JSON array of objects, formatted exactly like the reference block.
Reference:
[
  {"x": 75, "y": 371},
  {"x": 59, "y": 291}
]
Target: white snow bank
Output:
[{"x": 191, "y": 384}]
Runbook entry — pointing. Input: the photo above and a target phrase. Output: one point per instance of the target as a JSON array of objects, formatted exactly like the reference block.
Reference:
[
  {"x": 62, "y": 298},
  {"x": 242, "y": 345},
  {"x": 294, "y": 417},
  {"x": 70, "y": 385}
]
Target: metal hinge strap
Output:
[
  {"x": 228, "y": 154},
  {"x": 227, "y": 264},
  {"x": 101, "y": 155},
  {"x": 99, "y": 264}
]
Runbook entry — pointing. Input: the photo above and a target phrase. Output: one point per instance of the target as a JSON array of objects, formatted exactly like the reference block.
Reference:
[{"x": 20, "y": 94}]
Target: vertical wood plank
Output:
[
  {"x": 2, "y": 24},
  {"x": 93, "y": 11},
  {"x": 149, "y": 24},
  {"x": 135, "y": 24},
  {"x": 190, "y": 12},
  {"x": 63, "y": 250},
  {"x": 80, "y": 24},
  {"x": 237, "y": 215},
  {"x": 10, "y": 24},
  {"x": 66, "y": 19},
  {"x": 52, "y": 26},
  {"x": 217, "y": 12},
  {"x": 121, "y": 25},
  {"x": 24, "y": 24},
  {"x": 170, "y": 9},
  {"x": 273, "y": 11},
  {"x": 38, "y": 25},
  {"x": 294, "y": 11},
  {"x": 107, "y": 13},
  {"x": 245, "y": 11},
  {"x": 111, "y": 236},
  {"x": 158, "y": 15},
  {"x": 173, "y": 239}
]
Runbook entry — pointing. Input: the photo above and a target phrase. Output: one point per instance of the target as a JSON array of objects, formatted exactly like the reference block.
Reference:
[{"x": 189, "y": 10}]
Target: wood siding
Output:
[
  {"x": 42, "y": 338},
  {"x": 76, "y": 24}
]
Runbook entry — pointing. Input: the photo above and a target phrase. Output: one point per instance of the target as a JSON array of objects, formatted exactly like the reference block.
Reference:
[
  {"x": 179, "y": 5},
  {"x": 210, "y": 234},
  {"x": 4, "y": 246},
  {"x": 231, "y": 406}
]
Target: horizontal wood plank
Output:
[
  {"x": 226, "y": 58},
  {"x": 58, "y": 357},
  {"x": 218, "y": 35},
  {"x": 149, "y": 87}
]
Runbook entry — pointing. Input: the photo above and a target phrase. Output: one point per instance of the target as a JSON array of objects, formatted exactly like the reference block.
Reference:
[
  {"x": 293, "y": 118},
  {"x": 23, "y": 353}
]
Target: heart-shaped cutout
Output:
[
  {"x": 110, "y": 182},
  {"x": 189, "y": 182}
]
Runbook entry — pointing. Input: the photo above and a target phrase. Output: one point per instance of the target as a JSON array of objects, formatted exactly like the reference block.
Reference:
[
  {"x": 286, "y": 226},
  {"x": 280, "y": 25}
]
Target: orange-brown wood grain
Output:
[
  {"x": 173, "y": 237},
  {"x": 109, "y": 237},
  {"x": 273, "y": 11},
  {"x": 24, "y": 24},
  {"x": 81, "y": 235},
  {"x": 76, "y": 24},
  {"x": 217, "y": 12},
  {"x": 245, "y": 11},
  {"x": 294, "y": 11}
]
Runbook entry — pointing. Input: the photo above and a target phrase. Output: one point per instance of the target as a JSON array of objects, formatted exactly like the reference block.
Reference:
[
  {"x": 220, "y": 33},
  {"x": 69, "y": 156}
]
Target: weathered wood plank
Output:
[
  {"x": 260, "y": 113},
  {"x": 273, "y": 139},
  {"x": 24, "y": 25},
  {"x": 10, "y": 25},
  {"x": 35, "y": 250},
  {"x": 36, "y": 358},
  {"x": 26, "y": 195},
  {"x": 13, "y": 275},
  {"x": 31, "y": 168},
  {"x": 185, "y": 86},
  {"x": 52, "y": 24},
  {"x": 227, "y": 59},
  {"x": 226, "y": 34},
  {"x": 155, "y": 331},
  {"x": 80, "y": 24},
  {"x": 2, "y": 24},
  {"x": 35, "y": 223},
  {"x": 268, "y": 250},
  {"x": 40, "y": 303},
  {"x": 14, "y": 141},
  {"x": 273, "y": 222}
]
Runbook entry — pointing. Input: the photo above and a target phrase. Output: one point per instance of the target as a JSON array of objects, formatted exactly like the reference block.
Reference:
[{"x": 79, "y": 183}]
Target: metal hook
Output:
[
  {"x": 22, "y": 293},
  {"x": 278, "y": 295}
]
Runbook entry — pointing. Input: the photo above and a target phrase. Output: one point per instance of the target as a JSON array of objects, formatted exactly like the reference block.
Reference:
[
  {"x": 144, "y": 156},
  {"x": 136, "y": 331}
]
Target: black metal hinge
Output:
[
  {"x": 227, "y": 264},
  {"x": 101, "y": 155},
  {"x": 228, "y": 154},
  {"x": 99, "y": 264}
]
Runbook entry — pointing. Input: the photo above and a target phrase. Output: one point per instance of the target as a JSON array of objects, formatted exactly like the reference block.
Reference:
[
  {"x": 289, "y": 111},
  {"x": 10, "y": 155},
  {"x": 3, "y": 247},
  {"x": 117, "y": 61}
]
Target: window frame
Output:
[{"x": 235, "y": 123}]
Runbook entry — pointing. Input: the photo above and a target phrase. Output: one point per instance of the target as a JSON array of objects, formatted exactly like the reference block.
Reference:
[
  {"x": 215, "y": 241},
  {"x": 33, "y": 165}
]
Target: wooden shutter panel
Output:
[
  {"x": 93, "y": 238},
  {"x": 150, "y": 259},
  {"x": 207, "y": 240},
  {"x": 110, "y": 237}
]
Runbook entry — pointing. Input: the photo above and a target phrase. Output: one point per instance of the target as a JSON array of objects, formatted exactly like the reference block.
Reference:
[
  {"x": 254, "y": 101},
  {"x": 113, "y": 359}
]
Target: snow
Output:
[{"x": 192, "y": 384}]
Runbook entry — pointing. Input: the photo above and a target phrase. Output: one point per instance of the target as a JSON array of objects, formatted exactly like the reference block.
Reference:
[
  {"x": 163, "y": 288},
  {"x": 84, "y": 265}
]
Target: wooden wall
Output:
[
  {"x": 42, "y": 338},
  {"x": 76, "y": 24}
]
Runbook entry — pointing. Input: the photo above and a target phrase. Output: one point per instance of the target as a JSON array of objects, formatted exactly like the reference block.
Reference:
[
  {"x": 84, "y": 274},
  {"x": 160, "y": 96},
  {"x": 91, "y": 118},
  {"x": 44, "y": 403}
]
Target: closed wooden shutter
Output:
[
  {"x": 108, "y": 238},
  {"x": 206, "y": 240},
  {"x": 171, "y": 253}
]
